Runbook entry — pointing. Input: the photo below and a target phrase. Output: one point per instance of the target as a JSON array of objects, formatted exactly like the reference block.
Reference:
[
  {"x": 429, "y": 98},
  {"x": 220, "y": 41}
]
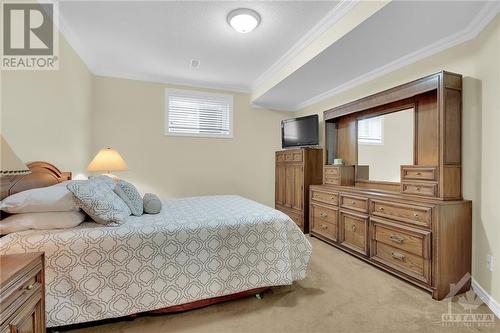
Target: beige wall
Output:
[
  {"x": 128, "y": 115},
  {"x": 478, "y": 61},
  {"x": 45, "y": 115},
  {"x": 384, "y": 159},
  {"x": 65, "y": 116}
]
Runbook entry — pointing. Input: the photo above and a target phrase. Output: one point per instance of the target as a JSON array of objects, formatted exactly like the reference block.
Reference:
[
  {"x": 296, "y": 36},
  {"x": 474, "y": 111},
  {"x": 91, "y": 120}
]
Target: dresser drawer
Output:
[
  {"x": 297, "y": 156},
  {"x": 414, "y": 172},
  {"x": 298, "y": 219},
  {"x": 417, "y": 215},
  {"x": 354, "y": 231},
  {"x": 280, "y": 157},
  {"x": 411, "y": 240},
  {"x": 324, "y": 221},
  {"x": 22, "y": 302},
  {"x": 426, "y": 189},
  {"x": 325, "y": 197},
  {"x": 331, "y": 171},
  {"x": 331, "y": 180},
  {"x": 14, "y": 296},
  {"x": 402, "y": 261},
  {"x": 355, "y": 203}
]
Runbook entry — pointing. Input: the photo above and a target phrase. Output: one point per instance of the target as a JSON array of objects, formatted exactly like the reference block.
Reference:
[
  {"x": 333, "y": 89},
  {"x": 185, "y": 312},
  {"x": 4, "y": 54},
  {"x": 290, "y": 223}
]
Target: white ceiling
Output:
[
  {"x": 400, "y": 33},
  {"x": 156, "y": 40}
]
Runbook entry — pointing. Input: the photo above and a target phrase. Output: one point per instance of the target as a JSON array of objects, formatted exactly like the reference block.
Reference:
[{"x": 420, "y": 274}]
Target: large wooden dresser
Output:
[
  {"x": 296, "y": 170},
  {"x": 22, "y": 293},
  {"x": 419, "y": 229}
]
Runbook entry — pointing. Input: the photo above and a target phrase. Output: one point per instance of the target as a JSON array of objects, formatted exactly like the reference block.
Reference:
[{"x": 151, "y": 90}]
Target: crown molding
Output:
[
  {"x": 488, "y": 13},
  {"x": 332, "y": 17},
  {"x": 173, "y": 81},
  {"x": 486, "y": 298}
]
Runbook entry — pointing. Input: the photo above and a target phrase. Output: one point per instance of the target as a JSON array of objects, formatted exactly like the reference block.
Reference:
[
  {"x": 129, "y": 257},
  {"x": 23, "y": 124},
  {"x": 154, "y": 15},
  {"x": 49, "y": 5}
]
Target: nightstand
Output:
[{"x": 22, "y": 293}]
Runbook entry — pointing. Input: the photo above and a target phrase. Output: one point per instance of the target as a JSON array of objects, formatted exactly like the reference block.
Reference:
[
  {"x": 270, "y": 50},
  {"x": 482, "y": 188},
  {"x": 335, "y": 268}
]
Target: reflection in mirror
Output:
[{"x": 384, "y": 144}]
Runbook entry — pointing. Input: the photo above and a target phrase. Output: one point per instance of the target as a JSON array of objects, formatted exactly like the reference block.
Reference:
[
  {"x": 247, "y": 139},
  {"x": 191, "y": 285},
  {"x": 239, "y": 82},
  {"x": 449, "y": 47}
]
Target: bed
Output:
[{"x": 196, "y": 250}]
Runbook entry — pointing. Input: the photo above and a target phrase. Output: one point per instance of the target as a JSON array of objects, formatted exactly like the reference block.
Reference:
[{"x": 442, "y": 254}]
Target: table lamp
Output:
[
  {"x": 107, "y": 160},
  {"x": 10, "y": 164}
]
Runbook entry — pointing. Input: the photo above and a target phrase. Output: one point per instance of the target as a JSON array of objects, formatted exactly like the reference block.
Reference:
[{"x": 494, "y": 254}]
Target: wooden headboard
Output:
[{"x": 42, "y": 174}]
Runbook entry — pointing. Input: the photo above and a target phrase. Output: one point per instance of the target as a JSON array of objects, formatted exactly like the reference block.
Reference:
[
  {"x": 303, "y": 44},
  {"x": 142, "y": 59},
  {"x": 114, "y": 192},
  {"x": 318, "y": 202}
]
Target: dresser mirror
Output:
[{"x": 385, "y": 143}]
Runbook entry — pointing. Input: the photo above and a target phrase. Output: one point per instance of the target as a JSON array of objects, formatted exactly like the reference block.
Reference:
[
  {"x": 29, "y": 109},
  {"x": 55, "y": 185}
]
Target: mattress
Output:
[{"x": 196, "y": 248}]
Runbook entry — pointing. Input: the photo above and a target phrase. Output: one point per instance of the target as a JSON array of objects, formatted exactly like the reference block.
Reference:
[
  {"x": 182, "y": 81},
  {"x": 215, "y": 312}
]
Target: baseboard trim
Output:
[{"x": 486, "y": 298}]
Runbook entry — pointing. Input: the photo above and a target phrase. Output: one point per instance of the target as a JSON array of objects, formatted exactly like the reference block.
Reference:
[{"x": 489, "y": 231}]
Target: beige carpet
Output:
[{"x": 340, "y": 294}]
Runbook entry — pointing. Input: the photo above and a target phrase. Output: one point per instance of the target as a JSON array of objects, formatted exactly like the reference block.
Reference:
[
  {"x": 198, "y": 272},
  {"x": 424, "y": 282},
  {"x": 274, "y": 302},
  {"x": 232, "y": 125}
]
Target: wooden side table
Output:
[{"x": 22, "y": 293}]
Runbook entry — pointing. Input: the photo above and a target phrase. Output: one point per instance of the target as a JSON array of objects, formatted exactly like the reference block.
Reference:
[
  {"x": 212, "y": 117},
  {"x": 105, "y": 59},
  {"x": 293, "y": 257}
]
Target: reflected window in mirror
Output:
[{"x": 384, "y": 144}]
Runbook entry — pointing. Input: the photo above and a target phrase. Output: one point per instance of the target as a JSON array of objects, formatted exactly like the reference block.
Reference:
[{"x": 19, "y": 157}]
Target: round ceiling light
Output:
[{"x": 243, "y": 20}]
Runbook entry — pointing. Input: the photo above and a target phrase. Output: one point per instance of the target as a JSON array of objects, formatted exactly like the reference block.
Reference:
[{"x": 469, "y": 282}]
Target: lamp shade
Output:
[
  {"x": 10, "y": 164},
  {"x": 107, "y": 159}
]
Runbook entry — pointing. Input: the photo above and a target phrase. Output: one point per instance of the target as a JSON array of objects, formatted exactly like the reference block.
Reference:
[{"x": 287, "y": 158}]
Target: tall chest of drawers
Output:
[{"x": 424, "y": 241}]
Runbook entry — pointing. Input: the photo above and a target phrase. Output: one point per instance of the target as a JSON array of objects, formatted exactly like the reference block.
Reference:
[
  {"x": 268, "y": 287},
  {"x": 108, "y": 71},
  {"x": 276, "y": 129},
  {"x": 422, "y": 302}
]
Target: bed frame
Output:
[{"x": 45, "y": 174}]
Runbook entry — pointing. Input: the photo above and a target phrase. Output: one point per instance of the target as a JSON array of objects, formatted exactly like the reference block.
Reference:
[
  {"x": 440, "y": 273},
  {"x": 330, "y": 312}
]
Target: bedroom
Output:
[{"x": 118, "y": 61}]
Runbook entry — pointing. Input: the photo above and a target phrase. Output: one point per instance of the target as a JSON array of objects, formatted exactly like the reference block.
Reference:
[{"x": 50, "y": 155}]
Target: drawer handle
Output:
[
  {"x": 353, "y": 203},
  {"x": 353, "y": 227},
  {"x": 381, "y": 209},
  {"x": 396, "y": 239},
  {"x": 332, "y": 198},
  {"x": 323, "y": 215},
  {"x": 398, "y": 256},
  {"x": 30, "y": 287},
  {"x": 417, "y": 188},
  {"x": 323, "y": 226},
  {"x": 418, "y": 173},
  {"x": 415, "y": 214}
]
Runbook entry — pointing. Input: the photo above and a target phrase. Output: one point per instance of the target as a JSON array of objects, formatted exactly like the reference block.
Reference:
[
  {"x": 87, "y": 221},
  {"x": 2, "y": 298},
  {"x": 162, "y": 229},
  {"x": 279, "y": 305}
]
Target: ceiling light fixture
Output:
[{"x": 243, "y": 20}]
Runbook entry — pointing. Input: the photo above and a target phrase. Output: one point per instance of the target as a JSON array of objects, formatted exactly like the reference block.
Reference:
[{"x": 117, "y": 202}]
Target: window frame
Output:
[{"x": 197, "y": 94}]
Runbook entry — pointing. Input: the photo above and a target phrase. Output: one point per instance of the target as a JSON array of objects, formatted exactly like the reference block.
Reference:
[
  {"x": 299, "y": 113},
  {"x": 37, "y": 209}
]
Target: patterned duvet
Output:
[{"x": 196, "y": 248}]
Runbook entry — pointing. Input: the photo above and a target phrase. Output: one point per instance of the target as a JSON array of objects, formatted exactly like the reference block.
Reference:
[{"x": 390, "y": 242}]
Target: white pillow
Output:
[
  {"x": 55, "y": 198},
  {"x": 40, "y": 221}
]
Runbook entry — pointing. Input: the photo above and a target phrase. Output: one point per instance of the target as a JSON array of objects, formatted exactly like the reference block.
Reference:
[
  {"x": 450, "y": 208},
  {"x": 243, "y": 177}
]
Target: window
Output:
[
  {"x": 370, "y": 131},
  {"x": 192, "y": 113}
]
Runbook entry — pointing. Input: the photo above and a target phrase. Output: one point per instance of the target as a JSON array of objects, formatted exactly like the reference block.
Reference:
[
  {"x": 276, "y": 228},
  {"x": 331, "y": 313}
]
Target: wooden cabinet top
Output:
[{"x": 12, "y": 265}]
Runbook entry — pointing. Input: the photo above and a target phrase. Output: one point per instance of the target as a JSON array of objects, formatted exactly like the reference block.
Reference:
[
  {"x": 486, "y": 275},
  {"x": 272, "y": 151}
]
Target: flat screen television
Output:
[{"x": 303, "y": 131}]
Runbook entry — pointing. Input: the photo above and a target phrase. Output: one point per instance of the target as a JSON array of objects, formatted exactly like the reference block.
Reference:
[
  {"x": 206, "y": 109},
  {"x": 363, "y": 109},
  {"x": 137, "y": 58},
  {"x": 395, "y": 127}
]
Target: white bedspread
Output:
[{"x": 196, "y": 248}]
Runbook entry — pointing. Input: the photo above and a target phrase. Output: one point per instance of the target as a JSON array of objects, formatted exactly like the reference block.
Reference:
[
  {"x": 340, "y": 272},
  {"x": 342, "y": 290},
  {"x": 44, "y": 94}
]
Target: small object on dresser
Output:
[
  {"x": 22, "y": 293},
  {"x": 152, "y": 204},
  {"x": 338, "y": 161}
]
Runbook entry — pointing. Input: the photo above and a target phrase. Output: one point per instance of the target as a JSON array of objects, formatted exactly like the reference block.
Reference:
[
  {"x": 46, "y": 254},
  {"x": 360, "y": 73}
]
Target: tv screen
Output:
[{"x": 301, "y": 131}]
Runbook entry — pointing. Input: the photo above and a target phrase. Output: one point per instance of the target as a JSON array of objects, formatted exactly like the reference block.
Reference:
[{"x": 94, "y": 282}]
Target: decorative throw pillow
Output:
[
  {"x": 110, "y": 182},
  {"x": 152, "y": 204},
  {"x": 96, "y": 198},
  {"x": 129, "y": 194}
]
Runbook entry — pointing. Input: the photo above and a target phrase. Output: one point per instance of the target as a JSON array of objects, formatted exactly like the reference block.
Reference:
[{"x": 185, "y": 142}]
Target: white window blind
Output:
[
  {"x": 370, "y": 131},
  {"x": 192, "y": 113}
]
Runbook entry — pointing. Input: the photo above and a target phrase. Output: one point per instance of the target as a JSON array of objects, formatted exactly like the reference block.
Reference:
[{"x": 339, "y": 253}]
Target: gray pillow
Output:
[
  {"x": 129, "y": 194},
  {"x": 96, "y": 198},
  {"x": 110, "y": 182},
  {"x": 152, "y": 204}
]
